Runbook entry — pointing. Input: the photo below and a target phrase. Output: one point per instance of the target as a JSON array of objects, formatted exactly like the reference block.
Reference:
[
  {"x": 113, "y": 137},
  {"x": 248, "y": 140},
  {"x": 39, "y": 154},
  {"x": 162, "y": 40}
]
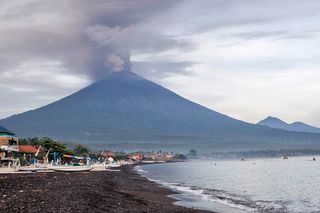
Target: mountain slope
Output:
[
  {"x": 296, "y": 126},
  {"x": 125, "y": 108},
  {"x": 123, "y": 102}
]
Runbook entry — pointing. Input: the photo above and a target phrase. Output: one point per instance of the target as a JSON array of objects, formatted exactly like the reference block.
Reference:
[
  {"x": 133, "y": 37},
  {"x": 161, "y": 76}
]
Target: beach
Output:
[{"x": 105, "y": 191}]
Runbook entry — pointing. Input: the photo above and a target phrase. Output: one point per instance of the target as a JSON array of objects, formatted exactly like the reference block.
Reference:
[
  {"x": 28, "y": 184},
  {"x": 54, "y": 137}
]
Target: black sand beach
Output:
[{"x": 106, "y": 191}]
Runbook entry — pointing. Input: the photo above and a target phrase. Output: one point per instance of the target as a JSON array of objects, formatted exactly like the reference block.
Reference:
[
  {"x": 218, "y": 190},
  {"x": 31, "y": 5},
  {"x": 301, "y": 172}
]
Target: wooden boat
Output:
[
  {"x": 71, "y": 168},
  {"x": 98, "y": 167},
  {"x": 149, "y": 161},
  {"x": 27, "y": 169},
  {"x": 113, "y": 165}
]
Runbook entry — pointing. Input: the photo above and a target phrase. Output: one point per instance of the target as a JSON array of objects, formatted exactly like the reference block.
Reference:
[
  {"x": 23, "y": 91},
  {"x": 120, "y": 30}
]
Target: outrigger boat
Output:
[
  {"x": 113, "y": 165},
  {"x": 71, "y": 168},
  {"x": 28, "y": 169}
]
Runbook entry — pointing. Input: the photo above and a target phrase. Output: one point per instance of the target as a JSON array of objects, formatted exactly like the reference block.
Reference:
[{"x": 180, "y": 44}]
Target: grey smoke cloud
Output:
[
  {"x": 118, "y": 62},
  {"x": 163, "y": 68},
  {"x": 246, "y": 58},
  {"x": 84, "y": 35}
]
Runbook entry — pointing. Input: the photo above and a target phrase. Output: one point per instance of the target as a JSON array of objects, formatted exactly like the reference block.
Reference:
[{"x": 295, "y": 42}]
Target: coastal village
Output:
[
  {"x": 44, "y": 154},
  {"x": 43, "y": 175}
]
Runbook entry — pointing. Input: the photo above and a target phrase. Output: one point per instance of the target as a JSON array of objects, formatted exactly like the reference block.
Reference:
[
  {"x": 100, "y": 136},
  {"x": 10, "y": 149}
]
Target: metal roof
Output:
[{"x": 4, "y": 130}]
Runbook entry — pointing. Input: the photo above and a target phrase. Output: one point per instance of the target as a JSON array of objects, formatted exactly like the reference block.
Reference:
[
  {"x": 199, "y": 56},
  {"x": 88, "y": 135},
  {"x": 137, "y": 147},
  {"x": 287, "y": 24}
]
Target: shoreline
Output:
[{"x": 100, "y": 191}]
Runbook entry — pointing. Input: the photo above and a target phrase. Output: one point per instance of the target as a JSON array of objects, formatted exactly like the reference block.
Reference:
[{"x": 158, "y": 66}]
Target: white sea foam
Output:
[
  {"x": 203, "y": 195},
  {"x": 243, "y": 186}
]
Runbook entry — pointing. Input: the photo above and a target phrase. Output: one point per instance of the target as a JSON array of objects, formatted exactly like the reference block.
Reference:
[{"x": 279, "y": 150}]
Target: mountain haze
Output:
[
  {"x": 126, "y": 110},
  {"x": 274, "y": 122}
]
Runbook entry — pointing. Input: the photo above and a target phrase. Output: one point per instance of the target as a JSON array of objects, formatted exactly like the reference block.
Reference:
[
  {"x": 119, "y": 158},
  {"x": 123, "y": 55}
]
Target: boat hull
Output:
[
  {"x": 71, "y": 169},
  {"x": 27, "y": 169}
]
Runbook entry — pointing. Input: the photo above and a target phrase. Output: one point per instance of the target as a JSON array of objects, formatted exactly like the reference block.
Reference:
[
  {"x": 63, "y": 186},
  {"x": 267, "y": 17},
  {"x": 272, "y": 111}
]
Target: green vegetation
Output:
[
  {"x": 30, "y": 141},
  {"x": 120, "y": 156},
  {"x": 23, "y": 161},
  {"x": 56, "y": 146},
  {"x": 193, "y": 152},
  {"x": 180, "y": 157},
  {"x": 81, "y": 150},
  {"x": 47, "y": 143}
]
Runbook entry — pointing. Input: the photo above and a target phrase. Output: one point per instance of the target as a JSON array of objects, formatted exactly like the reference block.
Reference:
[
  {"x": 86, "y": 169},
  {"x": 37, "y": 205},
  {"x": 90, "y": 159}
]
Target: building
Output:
[
  {"x": 107, "y": 154},
  {"x": 28, "y": 149},
  {"x": 10, "y": 150},
  {"x": 136, "y": 157},
  {"x": 8, "y": 145},
  {"x": 8, "y": 140}
]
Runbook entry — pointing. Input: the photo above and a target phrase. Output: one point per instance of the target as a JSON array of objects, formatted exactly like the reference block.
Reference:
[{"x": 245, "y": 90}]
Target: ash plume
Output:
[
  {"x": 118, "y": 62},
  {"x": 95, "y": 39}
]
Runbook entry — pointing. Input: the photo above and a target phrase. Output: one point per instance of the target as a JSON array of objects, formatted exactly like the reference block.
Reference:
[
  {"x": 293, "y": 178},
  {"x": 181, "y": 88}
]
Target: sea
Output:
[{"x": 235, "y": 186}]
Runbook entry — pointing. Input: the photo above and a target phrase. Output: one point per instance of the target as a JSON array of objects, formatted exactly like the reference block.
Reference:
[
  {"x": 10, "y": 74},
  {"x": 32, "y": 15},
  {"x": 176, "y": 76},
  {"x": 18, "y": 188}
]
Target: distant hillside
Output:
[
  {"x": 126, "y": 111},
  {"x": 296, "y": 126}
]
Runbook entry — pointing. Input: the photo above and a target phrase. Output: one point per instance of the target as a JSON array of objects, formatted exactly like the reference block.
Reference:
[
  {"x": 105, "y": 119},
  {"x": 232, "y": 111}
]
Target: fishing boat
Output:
[
  {"x": 27, "y": 169},
  {"x": 149, "y": 161},
  {"x": 71, "y": 168},
  {"x": 113, "y": 165},
  {"x": 98, "y": 167}
]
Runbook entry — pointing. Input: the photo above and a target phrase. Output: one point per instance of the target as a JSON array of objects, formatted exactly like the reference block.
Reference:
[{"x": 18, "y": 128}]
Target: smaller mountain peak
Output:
[
  {"x": 271, "y": 118},
  {"x": 271, "y": 121},
  {"x": 298, "y": 123}
]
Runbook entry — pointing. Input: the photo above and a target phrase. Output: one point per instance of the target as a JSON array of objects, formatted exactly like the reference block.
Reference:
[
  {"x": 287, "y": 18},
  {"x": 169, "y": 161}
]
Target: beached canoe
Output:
[
  {"x": 113, "y": 165},
  {"x": 27, "y": 169},
  {"x": 71, "y": 168}
]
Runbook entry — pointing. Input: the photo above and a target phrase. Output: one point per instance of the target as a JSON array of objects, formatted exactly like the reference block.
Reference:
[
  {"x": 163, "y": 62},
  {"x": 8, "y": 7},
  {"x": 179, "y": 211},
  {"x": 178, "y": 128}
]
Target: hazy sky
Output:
[{"x": 244, "y": 58}]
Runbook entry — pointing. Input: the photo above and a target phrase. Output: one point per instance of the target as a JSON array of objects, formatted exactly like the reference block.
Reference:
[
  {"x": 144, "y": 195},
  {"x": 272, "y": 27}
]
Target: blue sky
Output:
[{"x": 245, "y": 58}]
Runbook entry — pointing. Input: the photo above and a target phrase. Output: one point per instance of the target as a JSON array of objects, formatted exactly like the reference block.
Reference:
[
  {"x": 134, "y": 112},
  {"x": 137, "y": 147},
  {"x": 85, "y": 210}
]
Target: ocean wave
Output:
[
  {"x": 139, "y": 170},
  {"x": 228, "y": 199}
]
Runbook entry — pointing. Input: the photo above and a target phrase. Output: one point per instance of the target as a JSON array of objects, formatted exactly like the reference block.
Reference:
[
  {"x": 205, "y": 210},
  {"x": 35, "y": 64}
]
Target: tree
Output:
[
  {"x": 120, "y": 156},
  {"x": 81, "y": 150},
  {"x": 192, "y": 152},
  {"x": 23, "y": 141},
  {"x": 180, "y": 157},
  {"x": 30, "y": 141},
  {"x": 55, "y": 146}
]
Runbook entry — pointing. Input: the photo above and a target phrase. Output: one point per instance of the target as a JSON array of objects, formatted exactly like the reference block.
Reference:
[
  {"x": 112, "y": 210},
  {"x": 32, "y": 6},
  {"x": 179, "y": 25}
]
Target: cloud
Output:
[
  {"x": 239, "y": 56},
  {"x": 34, "y": 84},
  {"x": 52, "y": 48},
  {"x": 79, "y": 34},
  {"x": 157, "y": 70}
]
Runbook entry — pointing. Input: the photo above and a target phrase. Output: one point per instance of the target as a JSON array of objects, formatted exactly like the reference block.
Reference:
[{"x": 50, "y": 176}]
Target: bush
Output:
[{"x": 180, "y": 157}]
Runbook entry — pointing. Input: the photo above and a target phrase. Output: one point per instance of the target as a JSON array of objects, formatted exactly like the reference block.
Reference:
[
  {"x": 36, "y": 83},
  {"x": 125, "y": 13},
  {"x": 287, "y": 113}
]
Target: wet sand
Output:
[{"x": 105, "y": 191}]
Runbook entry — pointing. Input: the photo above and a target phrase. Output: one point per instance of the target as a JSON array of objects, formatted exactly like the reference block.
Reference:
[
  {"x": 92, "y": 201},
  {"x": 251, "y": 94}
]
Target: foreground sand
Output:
[{"x": 122, "y": 191}]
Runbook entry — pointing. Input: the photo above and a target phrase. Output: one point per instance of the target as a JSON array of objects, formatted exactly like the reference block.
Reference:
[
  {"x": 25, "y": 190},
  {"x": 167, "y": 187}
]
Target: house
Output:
[
  {"x": 28, "y": 152},
  {"x": 108, "y": 154},
  {"x": 8, "y": 145},
  {"x": 136, "y": 157},
  {"x": 28, "y": 149},
  {"x": 8, "y": 140}
]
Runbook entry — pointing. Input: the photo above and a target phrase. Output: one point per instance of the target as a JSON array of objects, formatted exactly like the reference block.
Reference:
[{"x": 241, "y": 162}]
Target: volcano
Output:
[{"x": 127, "y": 109}]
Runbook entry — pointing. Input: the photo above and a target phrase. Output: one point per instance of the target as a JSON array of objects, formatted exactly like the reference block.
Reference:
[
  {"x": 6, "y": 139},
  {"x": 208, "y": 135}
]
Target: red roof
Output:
[
  {"x": 107, "y": 154},
  {"x": 28, "y": 149},
  {"x": 137, "y": 156}
]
